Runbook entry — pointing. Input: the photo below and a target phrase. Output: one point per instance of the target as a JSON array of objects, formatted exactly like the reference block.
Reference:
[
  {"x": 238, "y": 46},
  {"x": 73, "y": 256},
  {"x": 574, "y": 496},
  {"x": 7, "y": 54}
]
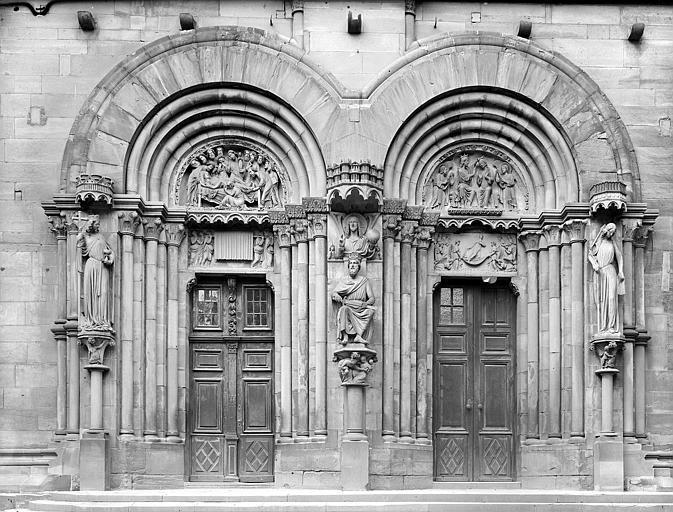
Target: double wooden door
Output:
[
  {"x": 230, "y": 413},
  {"x": 474, "y": 407}
]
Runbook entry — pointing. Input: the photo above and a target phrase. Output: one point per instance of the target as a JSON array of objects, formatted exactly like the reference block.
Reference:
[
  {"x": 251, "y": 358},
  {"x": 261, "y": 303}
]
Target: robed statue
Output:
[
  {"x": 356, "y": 301},
  {"x": 98, "y": 258},
  {"x": 605, "y": 257}
]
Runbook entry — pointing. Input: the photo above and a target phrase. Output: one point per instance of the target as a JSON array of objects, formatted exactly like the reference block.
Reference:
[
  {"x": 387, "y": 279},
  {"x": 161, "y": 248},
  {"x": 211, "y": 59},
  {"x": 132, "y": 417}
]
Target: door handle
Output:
[
  {"x": 480, "y": 406},
  {"x": 468, "y": 405}
]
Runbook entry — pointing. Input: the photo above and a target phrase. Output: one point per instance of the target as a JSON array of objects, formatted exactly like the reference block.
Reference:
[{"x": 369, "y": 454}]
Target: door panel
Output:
[
  {"x": 231, "y": 383},
  {"x": 474, "y": 383}
]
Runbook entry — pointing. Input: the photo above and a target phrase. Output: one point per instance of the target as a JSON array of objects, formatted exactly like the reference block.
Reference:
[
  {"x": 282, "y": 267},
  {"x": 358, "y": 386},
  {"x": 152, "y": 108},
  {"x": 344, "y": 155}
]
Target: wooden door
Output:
[
  {"x": 230, "y": 414},
  {"x": 474, "y": 407}
]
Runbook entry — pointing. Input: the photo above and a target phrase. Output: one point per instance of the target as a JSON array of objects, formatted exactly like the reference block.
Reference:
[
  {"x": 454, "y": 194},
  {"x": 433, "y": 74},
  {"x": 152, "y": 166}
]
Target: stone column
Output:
[
  {"x": 161, "y": 335},
  {"x": 391, "y": 227},
  {"x": 175, "y": 233},
  {"x": 59, "y": 228},
  {"x": 70, "y": 327},
  {"x": 575, "y": 230},
  {"x": 530, "y": 241},
  {"x": 319, "y": 231},
  {"x": 409, "y": 22},
  {"x": 138, "y": 331},
  {"x": 152, "y": 228},
  {"x": 424, "y": 238},
  {"x": 283, "y": 236},
  {"x": 566, "y": 306},
  {"x": 629, "y": 227},
  {"x": 406, "y": 238},
  {"x": 128, "y": 221},
  {"x": 298, "y": 22},
  {"x": 543, "y": 336},
  {"x": 639, "y": 242},
  {"x": 553, "y": 236},
  {"x": 300, "y": 284}
]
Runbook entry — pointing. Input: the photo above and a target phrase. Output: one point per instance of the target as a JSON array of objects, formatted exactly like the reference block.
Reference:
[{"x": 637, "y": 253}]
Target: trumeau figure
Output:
[
  {"x": 96, "y": 283},
  {"x": 356, "y": 239},
  {"x": 232, "y": 179},
  {"x": 606, "y": 259},
  {"x": 356, "y": 301}
]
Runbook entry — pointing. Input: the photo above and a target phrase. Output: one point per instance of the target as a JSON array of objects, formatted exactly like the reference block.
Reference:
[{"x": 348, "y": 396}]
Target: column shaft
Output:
[
  {"x": 172, "y": 376},
  {"x": 577, "y": 292},
  {"x": 566, "y": 301},
  {"x": 421, "y": 344},
  {"x": 139, "y": 365},
  {"x": 639, "y": 378},
  {"x": 126, "y": 335},
  {"x": 321, "y": 335},
  {"x": 531, "y": 242},
  {"x": 405, "y": 342},
  {"x": 639, "y": 350},
  {"x": 151, "y": 338},
  {"x": 96, "y": 399},
  {"x": 544, "y": 350},
  {"x": 396, "y": 321},
  {"x": 302, "y": 282},
  {"x": 630, "y": 332},
  {"x": 73, "y": 378},
  {"x": 311, "y": 337},
  {"x": 554, "y": 341},
  {"x": 161, "y": 339},
  {"x": 388, "y": 329},
  {"x": 606, "y": 402},
  {"x": 285, "y": 335}
]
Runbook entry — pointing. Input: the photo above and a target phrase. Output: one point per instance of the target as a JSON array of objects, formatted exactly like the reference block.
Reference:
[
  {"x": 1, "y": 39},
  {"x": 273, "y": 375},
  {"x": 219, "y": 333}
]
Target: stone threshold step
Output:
[
  {"x": 237, "y": 495},
  {"x": 47, "y": 506}
]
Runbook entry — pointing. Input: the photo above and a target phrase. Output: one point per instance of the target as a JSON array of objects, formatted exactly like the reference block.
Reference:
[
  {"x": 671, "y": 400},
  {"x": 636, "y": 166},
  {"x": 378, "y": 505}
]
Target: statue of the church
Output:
[
  {"x": 356, "y": 306},
  {"x": 605, "y": 257},
  {"x": 96, "y": 283}
]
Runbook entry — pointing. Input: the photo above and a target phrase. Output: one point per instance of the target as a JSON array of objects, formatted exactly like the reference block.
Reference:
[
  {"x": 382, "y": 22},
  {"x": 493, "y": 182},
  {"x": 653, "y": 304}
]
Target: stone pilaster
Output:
[{"x": 423, "y": 240}]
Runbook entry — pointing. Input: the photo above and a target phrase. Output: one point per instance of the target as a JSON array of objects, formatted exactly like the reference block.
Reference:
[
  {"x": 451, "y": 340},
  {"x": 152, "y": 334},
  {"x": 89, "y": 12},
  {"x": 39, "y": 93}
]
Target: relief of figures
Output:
[
  {"x": 97, "y": 258},
  {"x": 233, "y": 179},
  {"x": 474, "y": 181},
  {"x": 605, "y": 257},
  {"x": 475, "y": 253},
  {"x": 201, "y": 248},
  {"x": 354, "y": 369},
  {"x": 357, "y": 236},
  {"x": 262, "y": 250}
]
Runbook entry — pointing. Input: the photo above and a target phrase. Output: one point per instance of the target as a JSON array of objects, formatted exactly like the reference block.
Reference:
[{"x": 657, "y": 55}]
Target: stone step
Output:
[{"x": 268, "y": 500}]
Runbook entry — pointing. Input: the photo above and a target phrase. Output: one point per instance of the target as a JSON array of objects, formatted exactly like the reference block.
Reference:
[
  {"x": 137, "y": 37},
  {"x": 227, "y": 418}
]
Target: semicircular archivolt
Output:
[{"x": 536, "y": 147}]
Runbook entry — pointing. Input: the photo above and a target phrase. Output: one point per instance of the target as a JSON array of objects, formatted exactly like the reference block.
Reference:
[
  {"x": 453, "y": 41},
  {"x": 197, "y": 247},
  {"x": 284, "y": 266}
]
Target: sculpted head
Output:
[
  {"x": 93, "y": 224},
  {"x": 609, "y": 230},
  {"x": 353, "y": 266},
  {"x": 353, "y": 225}
]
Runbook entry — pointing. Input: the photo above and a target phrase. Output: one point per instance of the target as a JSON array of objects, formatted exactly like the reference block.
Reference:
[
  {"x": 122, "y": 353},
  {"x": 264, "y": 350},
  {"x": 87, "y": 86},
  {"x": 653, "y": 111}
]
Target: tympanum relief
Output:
[
  {"x": 354, "y": 235},
  {"x": 475, "y": 254},
  {"x": 231, "y": 175},
  {"x": 475, "y": 179},
  {"x": 253, "y": 249}
]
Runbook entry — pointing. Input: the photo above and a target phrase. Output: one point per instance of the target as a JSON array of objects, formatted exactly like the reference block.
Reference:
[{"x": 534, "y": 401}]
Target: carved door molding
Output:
[
  {"x": 230, "y": 415},
  {"x": 474, "y": 405}
]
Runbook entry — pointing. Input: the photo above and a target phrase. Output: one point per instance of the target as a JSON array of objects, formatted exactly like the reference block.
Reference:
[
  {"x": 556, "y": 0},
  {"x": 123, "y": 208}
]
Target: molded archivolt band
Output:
[
  {"x": 211, "y": 57},
  {"x": 495, "y": 118},
  {"x": 198, "y": 116},
  {"x": 452, "y": 62}
]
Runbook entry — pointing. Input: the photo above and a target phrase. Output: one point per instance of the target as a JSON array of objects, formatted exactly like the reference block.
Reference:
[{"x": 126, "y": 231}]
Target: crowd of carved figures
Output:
[
  {"x": 473, "y": 180},
  {"x": 468, "y": 252},
  {"x": 202, "y": 249},
  {"x": 233, "y": 179}
]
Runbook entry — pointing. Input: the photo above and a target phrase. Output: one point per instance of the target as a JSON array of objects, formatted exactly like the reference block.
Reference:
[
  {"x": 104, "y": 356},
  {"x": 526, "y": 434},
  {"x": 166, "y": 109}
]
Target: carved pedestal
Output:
[{"x": 354, "y": 361}]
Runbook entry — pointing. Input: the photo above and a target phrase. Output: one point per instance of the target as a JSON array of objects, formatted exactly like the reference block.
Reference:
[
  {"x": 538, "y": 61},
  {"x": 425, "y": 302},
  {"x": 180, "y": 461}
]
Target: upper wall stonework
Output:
[{"x": 323, "y": 122}]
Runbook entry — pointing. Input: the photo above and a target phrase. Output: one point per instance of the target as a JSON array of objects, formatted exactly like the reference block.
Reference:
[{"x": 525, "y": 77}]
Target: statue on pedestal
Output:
[
  {"x": 605, "y": 257},
  {"x": 356, "y": 310},
  {"x": 98, "y": 257}
]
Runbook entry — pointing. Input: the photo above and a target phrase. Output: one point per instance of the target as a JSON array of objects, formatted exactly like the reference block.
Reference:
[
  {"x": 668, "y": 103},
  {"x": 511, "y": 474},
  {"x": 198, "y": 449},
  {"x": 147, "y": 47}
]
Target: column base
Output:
[
  {"x": 608, "y": 464},
  {"x": 94, "y": 462},
  {"x": 354, "y": 465}
]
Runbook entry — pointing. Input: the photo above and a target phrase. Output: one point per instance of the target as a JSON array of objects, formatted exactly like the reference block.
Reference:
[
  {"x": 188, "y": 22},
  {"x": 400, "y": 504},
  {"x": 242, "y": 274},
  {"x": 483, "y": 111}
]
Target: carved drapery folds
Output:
[
  {"x": 475, "y": 179},
  {"x": 230, "y": 174},
  {"x": 354, "y": 235}
]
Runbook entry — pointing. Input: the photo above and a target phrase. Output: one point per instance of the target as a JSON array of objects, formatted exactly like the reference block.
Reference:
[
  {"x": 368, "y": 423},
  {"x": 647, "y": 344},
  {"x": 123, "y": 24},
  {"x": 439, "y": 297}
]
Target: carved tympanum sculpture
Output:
[
  {"x": 605, "y": 257},
  {"x": 356, "y": 241},
  {"x": 96, "y": 290},
  {"x": 356, "y": 306}
]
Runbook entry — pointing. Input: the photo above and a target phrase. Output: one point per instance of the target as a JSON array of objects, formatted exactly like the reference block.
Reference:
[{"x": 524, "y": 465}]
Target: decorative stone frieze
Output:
[
  {"x": 93, "y": 188},
  {"x": 479, "y": 254},
  {"x": 609, "y": 196},
  {"x": 393, "y": 206},
  {"x": 315, "y": 204}
]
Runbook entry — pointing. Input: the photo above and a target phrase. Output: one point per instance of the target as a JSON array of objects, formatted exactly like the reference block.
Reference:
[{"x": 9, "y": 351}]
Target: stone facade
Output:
[{"x": 268, "y": 147}]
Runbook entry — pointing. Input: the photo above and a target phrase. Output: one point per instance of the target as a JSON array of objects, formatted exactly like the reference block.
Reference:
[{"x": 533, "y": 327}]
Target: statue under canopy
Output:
[
  {"x": 605, "y": 257},
  {"x": 356, "y": 310}
]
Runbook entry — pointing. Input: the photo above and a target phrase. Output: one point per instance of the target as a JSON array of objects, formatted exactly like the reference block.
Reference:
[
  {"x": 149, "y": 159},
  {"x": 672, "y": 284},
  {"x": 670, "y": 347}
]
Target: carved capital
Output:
[
  {"x": 641, "y": 235},
  {"x": 317, "y": 225},
  {"x": 295, "y": 211},
  {"x": 128, "y": 222},
  {"x": 394, "y": 206},
  {"x": 96, "y": 342},
  {"x": 424, "y": 236},
  {"x": 429, "y": 218},
  {"x": 629, "y": 229},
  {"x": 153, "y": 227},
  {"x": 300, "y": 230},
  {"x": 391, "y": 225},
  {"x": 277, "y": 216},
  {"x": 575, "y": 229},
  {"x": 58, "y": 226},
  {"x": 283, "y": 235},
  {"x": 410, "y": 7},
  {"x": 530, "y": 240},
  {"x": 140, "y": 231},
  {"x": 408, "y": 231},
  {"x": 315, "y": 204},
  {"x": 175, "y": 234},
  {"x": 413, "y": 213},
  {"x": 552, "y": 235}
]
